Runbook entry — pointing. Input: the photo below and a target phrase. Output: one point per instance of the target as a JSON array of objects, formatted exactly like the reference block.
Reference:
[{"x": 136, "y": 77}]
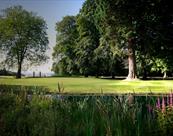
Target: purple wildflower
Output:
[
  {"x": 149, "y": 108},
  {"x": 158, "y": 103},
  {"x": 170, "y": 102},
  {"x": 163, "y": 104}
]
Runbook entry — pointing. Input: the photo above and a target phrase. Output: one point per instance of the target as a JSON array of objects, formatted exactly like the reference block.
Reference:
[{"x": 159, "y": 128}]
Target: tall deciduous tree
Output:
[
  {"x": 88, "y": 39},
  {"x": 23, "y": 37},
  {"x": 65, "y": 49},
  {"x": 114, "y": 14},
  {"x": 137, "y": 23},
  {"x": 154, "y": 29},
  {"x": 109, "y": 29}
]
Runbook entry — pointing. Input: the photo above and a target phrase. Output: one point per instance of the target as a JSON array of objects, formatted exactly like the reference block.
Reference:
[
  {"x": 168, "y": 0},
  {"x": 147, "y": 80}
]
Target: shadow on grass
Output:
[{"x": 140, "y": 78}]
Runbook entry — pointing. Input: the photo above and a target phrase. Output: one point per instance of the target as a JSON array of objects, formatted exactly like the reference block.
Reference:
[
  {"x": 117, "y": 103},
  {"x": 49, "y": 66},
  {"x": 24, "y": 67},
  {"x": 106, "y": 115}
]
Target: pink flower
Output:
[
  {"x": 170, "y": 101},
  {"x": 158, "y": 103},
  {"x": 163, "y": 104},
  {"x": 149, "y": 108}
]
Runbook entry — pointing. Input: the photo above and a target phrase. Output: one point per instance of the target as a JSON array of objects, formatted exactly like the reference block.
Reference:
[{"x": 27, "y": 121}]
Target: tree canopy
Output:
[
  {"x": 64, "y": 51},
  {"x": 113, "y": 31},
  {"x": 23, "y": 37}
]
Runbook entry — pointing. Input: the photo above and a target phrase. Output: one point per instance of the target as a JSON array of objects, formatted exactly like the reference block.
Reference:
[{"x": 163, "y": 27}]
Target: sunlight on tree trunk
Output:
[{"x": 165, "y": 75}]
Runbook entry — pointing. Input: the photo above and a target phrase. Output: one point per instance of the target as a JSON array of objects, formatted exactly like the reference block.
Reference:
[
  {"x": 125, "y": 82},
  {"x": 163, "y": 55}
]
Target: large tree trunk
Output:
[
  {"x": 18, "y": 75},
  {"x": 165, "y": 75},
  {"x": 132, "y": 61}
]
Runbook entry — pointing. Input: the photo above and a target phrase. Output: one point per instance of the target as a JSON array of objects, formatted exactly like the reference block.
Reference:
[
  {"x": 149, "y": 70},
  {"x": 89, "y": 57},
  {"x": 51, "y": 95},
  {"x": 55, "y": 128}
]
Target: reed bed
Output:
[{"x": 23, "y": 114}]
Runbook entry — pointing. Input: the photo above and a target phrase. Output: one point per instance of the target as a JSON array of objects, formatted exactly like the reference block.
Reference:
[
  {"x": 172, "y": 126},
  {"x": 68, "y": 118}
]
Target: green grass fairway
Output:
[{"x": 94, "y": 85}]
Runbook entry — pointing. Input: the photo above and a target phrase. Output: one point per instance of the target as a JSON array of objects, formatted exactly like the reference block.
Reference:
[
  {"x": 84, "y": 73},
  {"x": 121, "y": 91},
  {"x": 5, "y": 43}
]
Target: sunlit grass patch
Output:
[{"x": 94, "y": 85}]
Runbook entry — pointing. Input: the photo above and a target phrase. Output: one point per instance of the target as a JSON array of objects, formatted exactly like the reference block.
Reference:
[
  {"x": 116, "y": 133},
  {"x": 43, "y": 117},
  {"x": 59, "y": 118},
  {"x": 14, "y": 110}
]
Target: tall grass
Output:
[{"x": 41, "y": 115}]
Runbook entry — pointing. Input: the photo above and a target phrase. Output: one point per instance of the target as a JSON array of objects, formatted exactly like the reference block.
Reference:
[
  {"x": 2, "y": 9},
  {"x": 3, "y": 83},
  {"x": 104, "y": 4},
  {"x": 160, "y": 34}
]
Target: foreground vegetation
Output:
[
  {"x": 40, "y": 115},
  {"x": 93, "y": 85}
]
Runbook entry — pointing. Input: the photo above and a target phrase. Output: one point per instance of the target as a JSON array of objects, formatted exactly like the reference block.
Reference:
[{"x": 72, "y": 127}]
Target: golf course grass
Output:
[{"x": 93, "y": 85}]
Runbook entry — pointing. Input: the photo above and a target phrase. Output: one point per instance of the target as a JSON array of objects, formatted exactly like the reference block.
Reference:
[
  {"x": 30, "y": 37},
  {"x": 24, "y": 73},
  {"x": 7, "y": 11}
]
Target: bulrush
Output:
[{"x": 130, "y": 99}]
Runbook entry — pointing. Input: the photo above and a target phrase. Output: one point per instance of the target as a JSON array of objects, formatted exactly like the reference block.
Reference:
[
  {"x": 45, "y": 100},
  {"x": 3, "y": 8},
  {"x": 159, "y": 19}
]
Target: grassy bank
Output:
[{"x": 94, "y": 85}]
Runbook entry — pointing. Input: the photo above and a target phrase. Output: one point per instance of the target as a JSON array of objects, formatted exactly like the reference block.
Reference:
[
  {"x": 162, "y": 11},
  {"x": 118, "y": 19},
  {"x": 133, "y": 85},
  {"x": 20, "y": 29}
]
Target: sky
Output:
[{"x": 52, "y": 11}]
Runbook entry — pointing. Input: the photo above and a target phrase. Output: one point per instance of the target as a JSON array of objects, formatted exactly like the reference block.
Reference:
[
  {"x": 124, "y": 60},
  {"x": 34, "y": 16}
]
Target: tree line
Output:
[
  {"x": 116, "y": 37},
  {"x": 106, "y": 38}
]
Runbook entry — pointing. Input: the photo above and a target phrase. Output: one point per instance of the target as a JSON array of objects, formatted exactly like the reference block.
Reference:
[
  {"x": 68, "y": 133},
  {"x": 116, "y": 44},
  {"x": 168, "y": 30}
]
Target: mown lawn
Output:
[{"x": 94, "y": 85}]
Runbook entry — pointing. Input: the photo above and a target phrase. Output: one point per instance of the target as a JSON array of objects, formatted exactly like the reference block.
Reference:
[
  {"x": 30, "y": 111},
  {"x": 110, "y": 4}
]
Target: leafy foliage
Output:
[
  {"x": 64, "y": 51},
  {"x": 23, "y": 37},
  {"x": 109, "y": 31}
]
